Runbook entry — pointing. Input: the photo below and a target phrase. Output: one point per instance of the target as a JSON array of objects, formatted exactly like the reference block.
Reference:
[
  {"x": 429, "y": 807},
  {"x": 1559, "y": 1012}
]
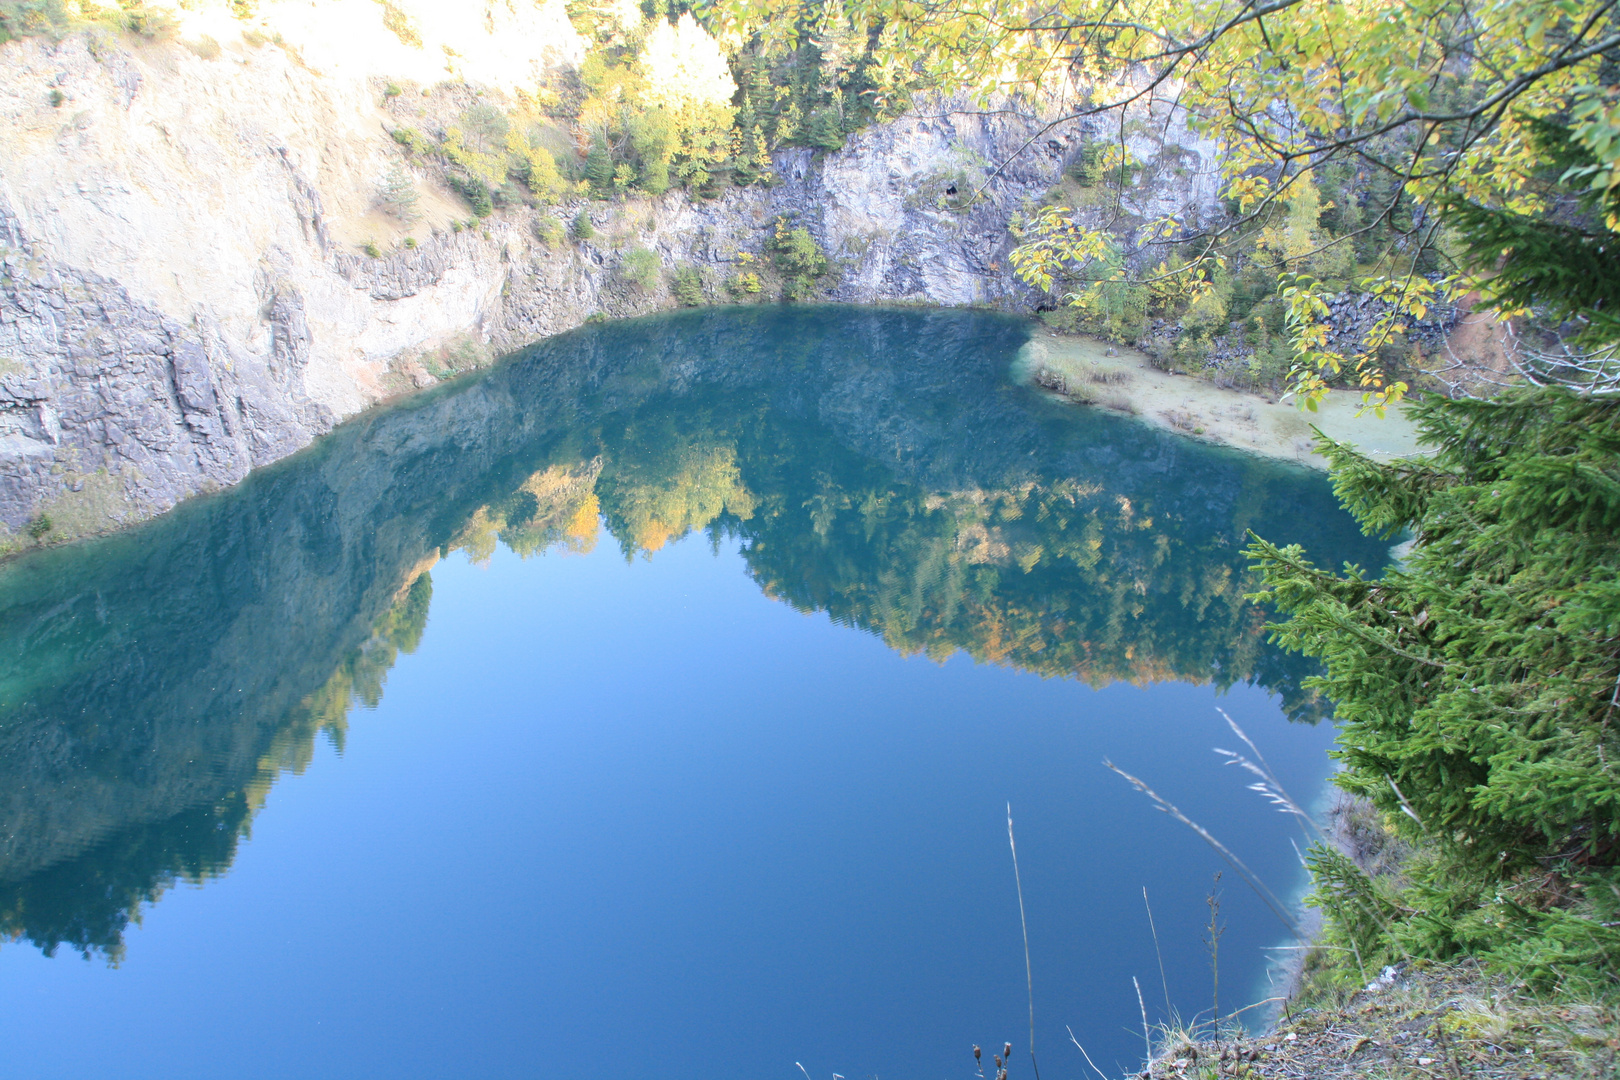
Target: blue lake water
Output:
[{"x": 650, "y": 705}]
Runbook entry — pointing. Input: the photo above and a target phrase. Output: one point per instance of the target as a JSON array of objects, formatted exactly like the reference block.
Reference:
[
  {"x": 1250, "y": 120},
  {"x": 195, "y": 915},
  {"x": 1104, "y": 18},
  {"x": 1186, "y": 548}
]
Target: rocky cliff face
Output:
[{"x": 186, "y": 294}]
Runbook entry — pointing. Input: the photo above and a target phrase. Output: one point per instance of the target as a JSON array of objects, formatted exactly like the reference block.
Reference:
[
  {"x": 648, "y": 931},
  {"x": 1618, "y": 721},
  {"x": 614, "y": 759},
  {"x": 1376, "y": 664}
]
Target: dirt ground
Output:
[
  {"x": 1093, "y": 373},
  {"x": 1426, "y": 1021}
]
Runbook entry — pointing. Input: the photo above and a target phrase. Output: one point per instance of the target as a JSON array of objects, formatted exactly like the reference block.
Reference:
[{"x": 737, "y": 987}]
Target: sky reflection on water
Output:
[{"x": 682, "y": 791}]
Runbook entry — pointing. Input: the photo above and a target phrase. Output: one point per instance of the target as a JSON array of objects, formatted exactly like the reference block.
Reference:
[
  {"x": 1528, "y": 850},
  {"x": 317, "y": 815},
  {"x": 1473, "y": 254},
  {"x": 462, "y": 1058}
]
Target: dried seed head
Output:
[
  {"x": 977, "y": 1053},
  {"x": 1007, "y": 1052},
  {"x": 998, "y": 1060}
]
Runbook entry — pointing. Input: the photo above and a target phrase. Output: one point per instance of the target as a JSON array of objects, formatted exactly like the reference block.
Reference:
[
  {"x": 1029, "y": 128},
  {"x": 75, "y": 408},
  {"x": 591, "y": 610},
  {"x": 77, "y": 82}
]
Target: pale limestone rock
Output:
[{"x": 185, "y": 297}]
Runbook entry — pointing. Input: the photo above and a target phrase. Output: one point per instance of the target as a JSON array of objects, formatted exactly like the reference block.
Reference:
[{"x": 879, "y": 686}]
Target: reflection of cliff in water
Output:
[{"x": 875, "y": 465}]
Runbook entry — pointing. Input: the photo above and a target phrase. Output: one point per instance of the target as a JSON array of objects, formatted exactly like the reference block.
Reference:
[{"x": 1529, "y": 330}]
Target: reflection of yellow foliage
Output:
[
  {"x": 580, "y": 530},
  {"x": 1064, "y": 580},
  {"x": 652, "y": 536},
  {"x": 478, "y": 537},
  {"x": 686, "y": 488},
  {"x": 555, "y": 507}
]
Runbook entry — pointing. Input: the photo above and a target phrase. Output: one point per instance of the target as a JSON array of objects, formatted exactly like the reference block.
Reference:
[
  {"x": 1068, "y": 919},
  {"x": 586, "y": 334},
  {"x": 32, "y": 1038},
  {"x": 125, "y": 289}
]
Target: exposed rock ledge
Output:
[{"x": 184, "y": 295}]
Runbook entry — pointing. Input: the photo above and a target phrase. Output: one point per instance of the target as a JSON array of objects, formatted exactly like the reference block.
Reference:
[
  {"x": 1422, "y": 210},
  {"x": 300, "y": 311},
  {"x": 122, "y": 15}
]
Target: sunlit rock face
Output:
[
  {"x": 186, "y": 293},
  {"x": 876, "y": 465}
]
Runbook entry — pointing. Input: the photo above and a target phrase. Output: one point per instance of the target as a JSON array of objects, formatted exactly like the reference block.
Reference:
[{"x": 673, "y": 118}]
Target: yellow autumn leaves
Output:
[{"x": 1429, "y": 98}]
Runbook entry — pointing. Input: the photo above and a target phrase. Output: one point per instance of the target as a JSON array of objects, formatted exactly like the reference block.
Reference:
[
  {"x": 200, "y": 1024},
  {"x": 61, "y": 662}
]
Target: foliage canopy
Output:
[{"x": 1424, "y": 102}]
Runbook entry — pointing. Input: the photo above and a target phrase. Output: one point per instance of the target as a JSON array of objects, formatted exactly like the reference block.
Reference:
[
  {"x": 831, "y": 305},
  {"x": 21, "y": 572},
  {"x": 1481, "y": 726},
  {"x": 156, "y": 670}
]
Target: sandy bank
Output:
[{"x": 1098, "y": 375}]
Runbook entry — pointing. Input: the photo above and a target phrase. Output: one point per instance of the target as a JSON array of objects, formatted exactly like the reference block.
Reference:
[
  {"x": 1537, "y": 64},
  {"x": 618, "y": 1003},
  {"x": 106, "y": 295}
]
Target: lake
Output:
[{"x": 651, "y": 704}]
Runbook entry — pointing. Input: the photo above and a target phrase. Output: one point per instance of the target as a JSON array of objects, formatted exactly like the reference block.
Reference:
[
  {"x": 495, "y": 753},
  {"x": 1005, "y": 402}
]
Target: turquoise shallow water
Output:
[{"x": 651, "y": 704}]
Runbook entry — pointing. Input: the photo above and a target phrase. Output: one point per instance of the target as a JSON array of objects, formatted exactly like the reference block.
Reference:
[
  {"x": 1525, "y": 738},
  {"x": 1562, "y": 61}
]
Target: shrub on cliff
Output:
[
  {"x": 798, "y": 257},
  {"x": 412, "y": 140},
  {"x": 476, "y": 192},
  {"x": 640, "y": 267},
  {"x": 27, "y": 18},
  {"x": 548, "y": 230},
  {"x": 402, "y": 25},
  {"x": 687, "y": 286},
  {"x": 745, "y": 283}
]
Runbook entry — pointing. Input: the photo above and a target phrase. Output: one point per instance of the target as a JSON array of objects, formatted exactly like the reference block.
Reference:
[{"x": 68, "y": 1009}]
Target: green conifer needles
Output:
[{"x": 1478, "y": 685}]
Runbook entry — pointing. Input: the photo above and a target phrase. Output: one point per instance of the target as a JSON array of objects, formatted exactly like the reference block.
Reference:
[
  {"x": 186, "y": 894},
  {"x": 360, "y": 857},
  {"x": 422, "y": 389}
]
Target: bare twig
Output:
[
  {"x": 1168, "y": 1011},
  {"x": 1256, "y": 1005},
  {"x": 1266, "y": 895},
  {"x": 1406, "y": 807},
  {"x": 1029, "y": 972},
  {"x": 1147, "y": 1035},
  {"x": 1085, "y": 1055}
]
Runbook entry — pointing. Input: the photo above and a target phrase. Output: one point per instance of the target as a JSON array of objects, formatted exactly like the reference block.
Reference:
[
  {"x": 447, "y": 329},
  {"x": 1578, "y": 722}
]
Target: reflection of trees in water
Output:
[
  {"x": 1061, "y": 578},
  {"x": 358, "y": 678},
  {"x": 85, "y": 902},
  {"x": 86, "y": 899},
  {"x": 873, "y": 465},
  {"x": 1064, "y": 581},
  {"x": 554, "y": 508},
  {"x": 668, "y": 477}
]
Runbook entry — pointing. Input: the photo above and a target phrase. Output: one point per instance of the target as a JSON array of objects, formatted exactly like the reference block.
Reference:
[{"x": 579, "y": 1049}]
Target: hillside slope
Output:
[{"x": 199, "y": 279}]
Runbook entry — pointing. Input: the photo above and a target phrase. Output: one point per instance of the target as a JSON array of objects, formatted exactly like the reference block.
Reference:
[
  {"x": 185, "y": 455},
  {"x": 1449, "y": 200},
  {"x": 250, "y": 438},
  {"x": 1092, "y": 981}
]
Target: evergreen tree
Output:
[
  {"x": 1477, "y": 687},
  {"x": 653, "y": 137},
  {"x": 398, "y": 194},
  {"x": 743, "y": 170},
  {"x": 789, "y": 123},
  {"x": 599, "y": 167},
  {"x": 1565, "y": 263},
  {"x": 476, "y": 192},
  {"x": 825, "y": 131},
  {"x": 582, "y": 229},
  {"x": 762, "y": 157}
]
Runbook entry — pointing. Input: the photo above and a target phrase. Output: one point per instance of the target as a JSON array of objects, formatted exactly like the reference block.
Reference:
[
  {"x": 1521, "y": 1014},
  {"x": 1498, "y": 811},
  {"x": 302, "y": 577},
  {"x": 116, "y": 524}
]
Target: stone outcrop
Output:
[
  {"x": 187, "y": 293},
  {"x": 100, "y": 391}
]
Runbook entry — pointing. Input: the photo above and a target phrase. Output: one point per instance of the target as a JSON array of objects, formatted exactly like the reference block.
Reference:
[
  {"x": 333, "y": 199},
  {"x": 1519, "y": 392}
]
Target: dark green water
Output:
[{"x": 650, "y": 704}]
